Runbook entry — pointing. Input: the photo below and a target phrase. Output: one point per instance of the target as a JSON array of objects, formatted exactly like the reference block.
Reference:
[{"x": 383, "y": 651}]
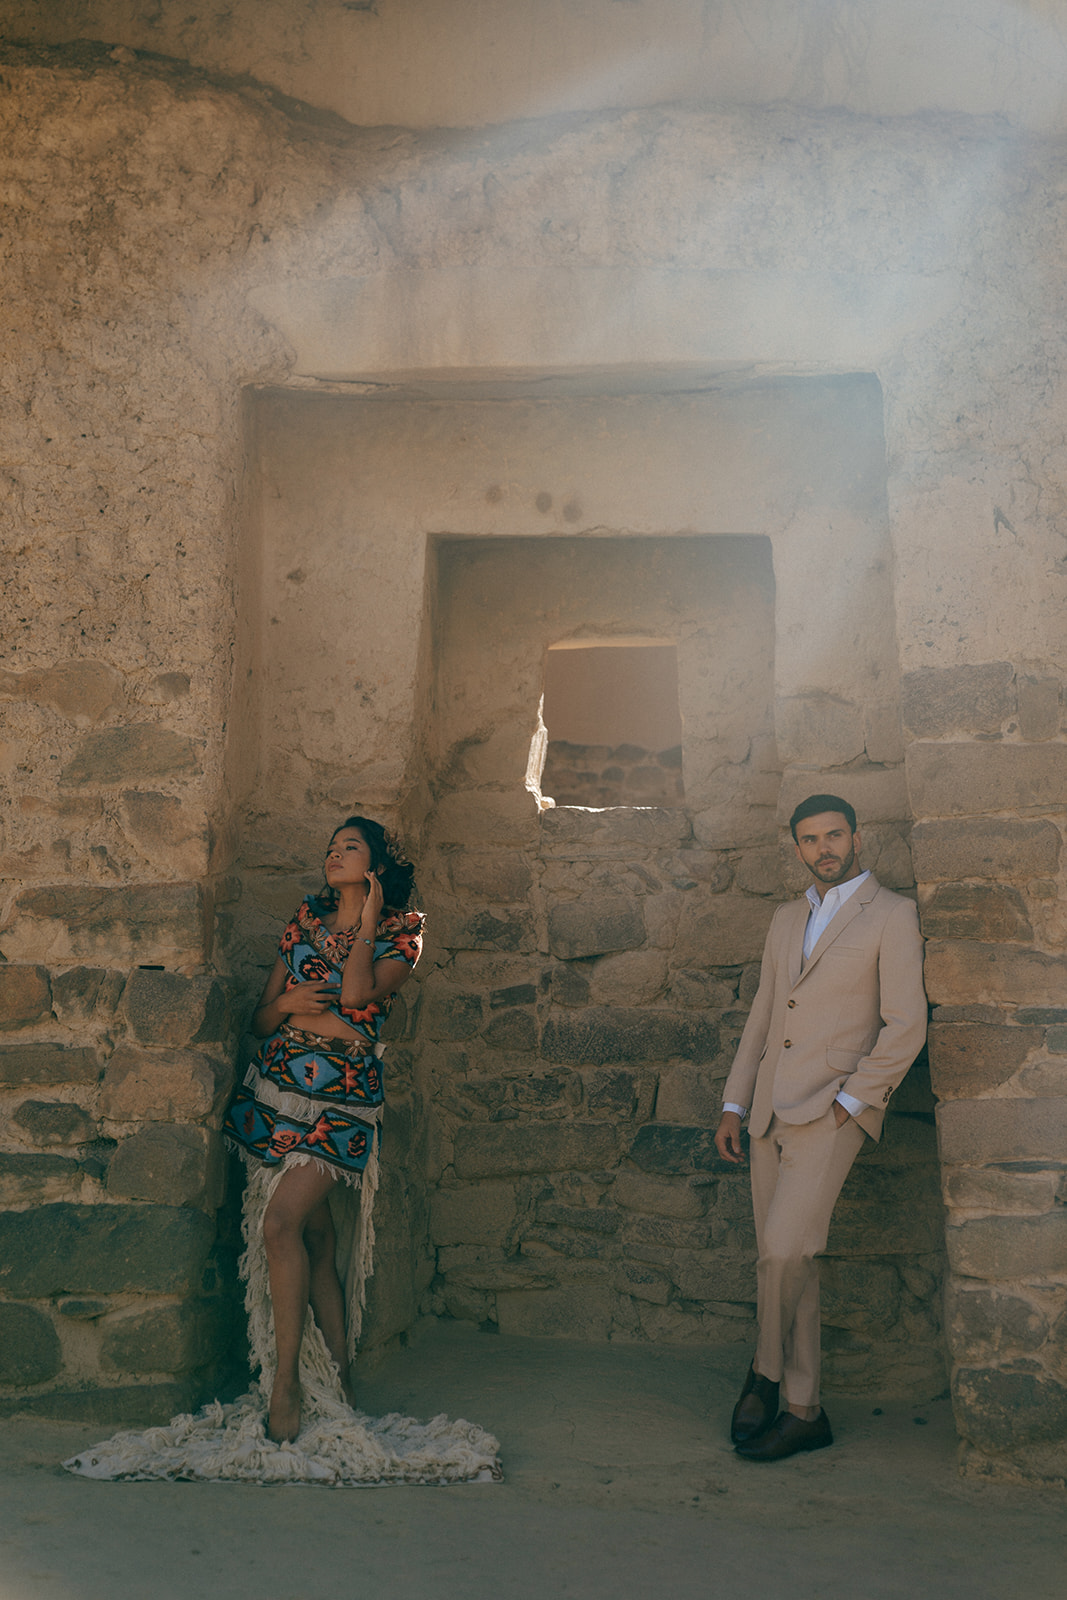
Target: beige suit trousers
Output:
[{"x": 797, "y": 1173}]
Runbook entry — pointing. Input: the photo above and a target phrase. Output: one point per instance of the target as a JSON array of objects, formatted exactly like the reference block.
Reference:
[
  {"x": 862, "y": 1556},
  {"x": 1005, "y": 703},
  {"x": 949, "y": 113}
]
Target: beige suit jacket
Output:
[{"x": 852, "y": 1017}]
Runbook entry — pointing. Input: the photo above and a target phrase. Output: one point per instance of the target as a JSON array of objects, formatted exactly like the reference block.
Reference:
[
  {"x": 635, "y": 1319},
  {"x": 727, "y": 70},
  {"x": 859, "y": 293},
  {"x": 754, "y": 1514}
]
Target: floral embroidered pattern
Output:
[{"x": 342, "y": 1077}]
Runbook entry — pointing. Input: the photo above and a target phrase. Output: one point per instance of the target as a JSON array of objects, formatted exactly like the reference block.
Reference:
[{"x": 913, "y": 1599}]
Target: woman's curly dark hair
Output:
[{"x": 395, "y": 873}]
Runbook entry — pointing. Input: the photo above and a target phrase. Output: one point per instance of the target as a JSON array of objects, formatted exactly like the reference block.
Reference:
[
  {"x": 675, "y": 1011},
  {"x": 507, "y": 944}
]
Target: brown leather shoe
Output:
[
  {"x": 755, "y": 1410},
  {"x": 787, "y": 1437}
]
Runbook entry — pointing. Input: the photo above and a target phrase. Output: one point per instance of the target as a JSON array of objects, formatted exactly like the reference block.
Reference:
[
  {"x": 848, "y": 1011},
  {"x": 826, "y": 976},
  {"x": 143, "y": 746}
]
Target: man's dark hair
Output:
[{"x": 815, "y": 805}]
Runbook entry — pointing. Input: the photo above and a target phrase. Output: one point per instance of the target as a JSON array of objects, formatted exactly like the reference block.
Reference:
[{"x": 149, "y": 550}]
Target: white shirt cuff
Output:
[
  {"x": 851, "y": 1104},
  {"x": 741, "y": 1110}
]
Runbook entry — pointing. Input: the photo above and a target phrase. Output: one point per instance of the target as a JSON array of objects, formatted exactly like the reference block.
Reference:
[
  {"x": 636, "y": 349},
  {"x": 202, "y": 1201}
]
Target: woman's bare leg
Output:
[
  {"x": 327, "y": 1300},
  {"x": 300, "y": 1192}
]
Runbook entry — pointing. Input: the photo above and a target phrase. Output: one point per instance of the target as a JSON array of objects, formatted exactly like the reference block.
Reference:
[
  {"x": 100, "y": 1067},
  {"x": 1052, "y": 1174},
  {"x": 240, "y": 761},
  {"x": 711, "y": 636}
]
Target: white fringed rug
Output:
[
  {"x": 336, "y": 1445},
  {"x": 227, "y": 1444}
]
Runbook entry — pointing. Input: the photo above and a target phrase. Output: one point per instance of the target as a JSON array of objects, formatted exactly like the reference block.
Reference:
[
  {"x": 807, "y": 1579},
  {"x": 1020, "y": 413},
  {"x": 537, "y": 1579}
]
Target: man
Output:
[{"x": 839, "y": 1016}]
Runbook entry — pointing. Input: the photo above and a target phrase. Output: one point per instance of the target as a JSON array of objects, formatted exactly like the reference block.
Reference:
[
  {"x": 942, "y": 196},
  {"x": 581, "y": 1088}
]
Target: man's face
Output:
[{"x": 828, "y": 847}]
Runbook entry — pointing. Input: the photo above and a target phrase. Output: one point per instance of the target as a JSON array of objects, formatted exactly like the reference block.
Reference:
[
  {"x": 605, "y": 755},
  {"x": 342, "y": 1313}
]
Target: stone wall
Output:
[
  {"x": 837, "y": 333},
  {"x": 606, "y": 775},
  {"x": 988, "y": 855}
]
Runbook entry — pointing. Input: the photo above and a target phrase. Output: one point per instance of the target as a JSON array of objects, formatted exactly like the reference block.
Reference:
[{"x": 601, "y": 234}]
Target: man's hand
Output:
[
  {"x": 728, "y": 1137},
  {"x": 841, "y": 1116}
]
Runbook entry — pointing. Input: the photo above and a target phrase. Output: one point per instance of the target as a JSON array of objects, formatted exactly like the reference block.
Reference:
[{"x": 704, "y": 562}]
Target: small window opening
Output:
[{"x": 613, "y": 729}]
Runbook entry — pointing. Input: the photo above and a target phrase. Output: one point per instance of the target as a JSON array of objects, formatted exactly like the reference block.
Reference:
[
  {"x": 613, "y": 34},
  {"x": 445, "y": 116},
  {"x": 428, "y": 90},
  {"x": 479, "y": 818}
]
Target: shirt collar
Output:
[{"x": 836, "y": 895}]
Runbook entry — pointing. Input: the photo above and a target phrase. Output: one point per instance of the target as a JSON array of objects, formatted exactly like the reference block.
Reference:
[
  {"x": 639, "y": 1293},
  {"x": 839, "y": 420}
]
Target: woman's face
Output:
[{"x": 348, "y": 858}]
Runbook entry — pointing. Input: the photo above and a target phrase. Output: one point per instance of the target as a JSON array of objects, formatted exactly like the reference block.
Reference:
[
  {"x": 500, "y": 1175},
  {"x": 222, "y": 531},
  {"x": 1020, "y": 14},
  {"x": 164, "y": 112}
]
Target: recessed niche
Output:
[{"x": 613, "y": 727}]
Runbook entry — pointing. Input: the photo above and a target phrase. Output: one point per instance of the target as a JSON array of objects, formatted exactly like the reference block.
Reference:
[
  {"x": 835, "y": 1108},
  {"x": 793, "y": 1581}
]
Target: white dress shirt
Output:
[{"x": 823, "y": 911}]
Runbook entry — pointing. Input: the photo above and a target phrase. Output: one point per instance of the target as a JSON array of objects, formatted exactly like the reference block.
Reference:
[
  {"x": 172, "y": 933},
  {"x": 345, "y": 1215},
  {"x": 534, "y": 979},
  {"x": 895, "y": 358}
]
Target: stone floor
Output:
[{"x": 620, "y": 1485}]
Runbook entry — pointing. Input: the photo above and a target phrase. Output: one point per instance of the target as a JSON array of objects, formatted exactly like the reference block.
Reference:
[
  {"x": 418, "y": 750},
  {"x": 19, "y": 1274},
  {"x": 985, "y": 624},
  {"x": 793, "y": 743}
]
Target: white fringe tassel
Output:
[{"x": 337, "y": 1446}]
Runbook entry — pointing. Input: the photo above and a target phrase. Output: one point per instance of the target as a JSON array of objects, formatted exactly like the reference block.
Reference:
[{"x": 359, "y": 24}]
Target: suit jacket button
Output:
[
  {"x": 790, "y": 1004},
  {"x": 789, "y": 1044}
]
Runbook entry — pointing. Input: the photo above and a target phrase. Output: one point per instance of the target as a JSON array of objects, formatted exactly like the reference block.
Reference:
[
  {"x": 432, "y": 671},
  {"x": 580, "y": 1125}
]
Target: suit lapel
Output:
[
  {"x": 839, "y": 922},
  {"x": 795, "y": 942}
]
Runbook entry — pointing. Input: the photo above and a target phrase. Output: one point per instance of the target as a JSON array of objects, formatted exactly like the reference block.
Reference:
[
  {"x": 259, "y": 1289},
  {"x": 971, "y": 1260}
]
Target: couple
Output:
[{"x": 839, "y": 1017}]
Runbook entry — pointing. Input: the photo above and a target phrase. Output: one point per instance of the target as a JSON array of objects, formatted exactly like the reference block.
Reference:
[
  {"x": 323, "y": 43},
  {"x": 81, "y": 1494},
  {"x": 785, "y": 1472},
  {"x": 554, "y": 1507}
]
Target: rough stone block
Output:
[
  {"x": 130, "y": 755},
  {"x": 43, "y": 1065},
  {"x": 962, "y": 780},
  {"x": 999, "y": 1409},
  {"x": 631, "y": 978},
  {"x": 993, "y": 1189},
  {"x": 605, "y": 1034},
  {"x": 512, "y": 1031},
  {"x": 820, "y": 730},
  {"x": 1039, "y": 706},
  {"x": 959, "y": 972},
  {"x": 451, "y": 1014},
  {"x": 985, "y": 847},
  {"x": 82, "y": 691},
  {"x": 689, "y": 1094},
  {"x": 969, "y": 1058},
  {"x": 581, "y": 1312},
  {"x": 29, "y": 1346},
  {"x": 162, "y": 1085},
  {"x": 598, "y": 1220},
  {"x": 55, "y": 1122},
  {"x": 516, "y": 994},
  {"x": 862, "y": 1295},
  {"x": 723, "y": 930},
  {"x": 983, "y": 1322},
  {"x": 970, "y": 699},
  {"x": 976, "y": 911},
  {"x": 483, "y": 1214},
  {"x": 102, "y": 1249},
  {"x": 170, "y": 1009},
  {"x": 172, "y": 1339},
  {"x": 1043, "y": 1079},
  {"x": 639, "y": 1191},
  {"x": 878, "y": 794},
  {"x": 660, "y": 1235},
  {"x": 25, "y": 995},
  {"x": 502, "y": 878},
  {"x": 507, "y": 929},
  {"x": 83, "y": 992},
  {"x": 595, "y": 925},
  {"x": 172, "y": 835},
  {"x": 642, "y": 1281},
  {"x": 488, "y": 1150},
  {"x": 883, "y": 737},
  {"x": 169, "y": 1163},
  {"x": 479, "y": 818},
  {"x": 975, "y": 1131},
  {"x": 713, "y": 1275},
  {"x": 1009, "y": 1247},
  {"x": 662, "y": 1148},
  {"x": 126, "y": 1405},
  {"x": 574, "y": 832},
  {"x": 29, "y": 1177},
  {"x": 703, "y": 991},
  {"x": 149, "y": 922}
]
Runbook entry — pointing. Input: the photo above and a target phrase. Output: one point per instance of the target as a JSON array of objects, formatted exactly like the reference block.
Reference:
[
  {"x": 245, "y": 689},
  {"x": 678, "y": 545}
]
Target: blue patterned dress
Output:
[{"x": 303, "y": 1095}]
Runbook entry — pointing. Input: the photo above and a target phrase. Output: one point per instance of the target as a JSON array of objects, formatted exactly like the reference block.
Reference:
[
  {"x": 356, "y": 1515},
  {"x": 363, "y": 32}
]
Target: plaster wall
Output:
[
  {"x": 466, "y": 63},
  {"x": 175, "y": 242}
]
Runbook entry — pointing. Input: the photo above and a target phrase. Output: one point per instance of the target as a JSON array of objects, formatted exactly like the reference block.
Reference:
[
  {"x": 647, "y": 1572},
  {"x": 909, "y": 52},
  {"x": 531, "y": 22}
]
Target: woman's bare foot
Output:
[{"x": 283, "y": 1418}]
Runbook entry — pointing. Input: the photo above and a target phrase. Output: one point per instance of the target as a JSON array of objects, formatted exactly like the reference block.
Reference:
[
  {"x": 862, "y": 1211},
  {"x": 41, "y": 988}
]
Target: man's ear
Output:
[{"x": 857, "y": 842}]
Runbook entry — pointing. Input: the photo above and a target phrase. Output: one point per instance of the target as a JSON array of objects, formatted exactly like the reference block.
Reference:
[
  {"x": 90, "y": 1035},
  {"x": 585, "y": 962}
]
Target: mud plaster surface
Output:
[{"x": 620, "y": 1483}]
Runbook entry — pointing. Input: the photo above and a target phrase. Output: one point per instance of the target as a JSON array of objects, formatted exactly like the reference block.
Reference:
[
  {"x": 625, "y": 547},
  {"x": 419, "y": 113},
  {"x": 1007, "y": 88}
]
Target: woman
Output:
[
  {"x": 309, "y": 1109},
  {"x": 306, "y": 1120}
]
